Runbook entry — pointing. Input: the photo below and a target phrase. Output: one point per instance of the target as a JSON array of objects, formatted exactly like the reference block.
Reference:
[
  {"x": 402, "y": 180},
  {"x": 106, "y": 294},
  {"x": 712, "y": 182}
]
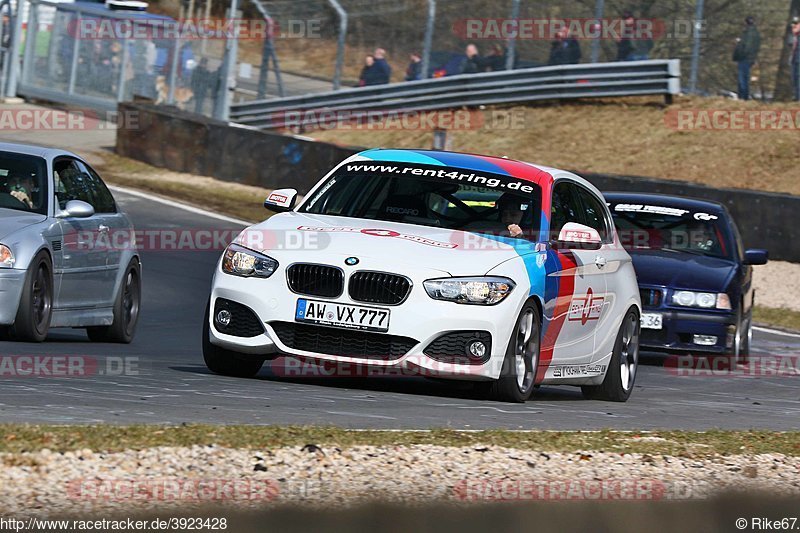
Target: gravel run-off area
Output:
[
  {"x": 46, "y": 483},
  {"x": 777, "y": 284}
]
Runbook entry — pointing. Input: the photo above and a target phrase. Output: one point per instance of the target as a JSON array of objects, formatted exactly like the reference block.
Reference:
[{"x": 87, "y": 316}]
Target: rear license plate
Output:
[
  {"x": 342, "y": 315},
  {"x": 652, "y": 320}
]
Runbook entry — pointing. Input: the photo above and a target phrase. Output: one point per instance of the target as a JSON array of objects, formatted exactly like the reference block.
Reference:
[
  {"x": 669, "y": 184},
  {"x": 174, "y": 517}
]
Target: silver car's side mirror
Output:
[{"x": 77, "y": 209}]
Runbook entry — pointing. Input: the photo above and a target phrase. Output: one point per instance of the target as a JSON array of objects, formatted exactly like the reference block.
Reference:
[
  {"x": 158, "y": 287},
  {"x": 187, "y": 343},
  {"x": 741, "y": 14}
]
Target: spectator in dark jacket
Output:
[
  {"x": 382, "y": 65},
  {"x": 370, "y": 74},
  {"x": 745, "y": 55},
  {"x": 473, "y": 62},
  {"x": 564, "y": 50},
  {"x": 497, "y": 59},
  {"x": 414, "y": 70},
  {"x": 636, "y": 40},
  {"x": 794, "y": 58}
]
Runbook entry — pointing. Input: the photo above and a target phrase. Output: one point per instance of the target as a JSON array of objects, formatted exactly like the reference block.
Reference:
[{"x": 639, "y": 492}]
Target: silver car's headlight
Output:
[
  {"x": 705, "y": 300},
  {"x": 6, "y": 257},
  {"x": 487, "y": 290},
  {"x": 240, "y": 261}
]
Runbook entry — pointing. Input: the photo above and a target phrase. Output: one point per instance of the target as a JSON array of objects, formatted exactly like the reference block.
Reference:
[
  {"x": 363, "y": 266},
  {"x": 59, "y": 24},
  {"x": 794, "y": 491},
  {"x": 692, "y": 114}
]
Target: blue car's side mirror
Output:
[{"x": 756, "y": 257}]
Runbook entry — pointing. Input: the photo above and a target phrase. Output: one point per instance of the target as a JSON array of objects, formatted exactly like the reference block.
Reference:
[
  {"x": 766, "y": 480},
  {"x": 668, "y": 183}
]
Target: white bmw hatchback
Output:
[{"x": 439, "y": 264}]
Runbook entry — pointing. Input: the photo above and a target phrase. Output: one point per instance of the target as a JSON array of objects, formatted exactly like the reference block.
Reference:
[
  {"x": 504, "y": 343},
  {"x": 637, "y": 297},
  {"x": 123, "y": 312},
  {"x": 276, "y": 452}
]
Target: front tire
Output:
[
  {"x": 126, "y": 310},
  {"x": 621, "y": 374},
  {"x": 226, "y": 362},
  {"x": 36, "y": 303},
  {"x": 743, "y": 337},
  {"x": 518, "y": 375}
]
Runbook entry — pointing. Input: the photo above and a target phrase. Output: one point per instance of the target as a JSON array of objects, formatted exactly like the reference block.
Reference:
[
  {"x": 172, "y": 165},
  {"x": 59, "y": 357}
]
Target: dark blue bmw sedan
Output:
[{"x": 695, "y": 277}]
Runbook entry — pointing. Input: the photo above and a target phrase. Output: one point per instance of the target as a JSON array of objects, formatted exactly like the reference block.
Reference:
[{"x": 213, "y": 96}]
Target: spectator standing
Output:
[
  {"x": 382, "y": 66},
  {"x": 370, "y": 74},
  {"x": 204, "y": 81},
  {"x": 497, "y": 59},
  {"x": 794, "y": 60},
  {"x": 564, "y": 50},
  {"x": 745, "y": 55},
  {"x": 473, "y": 62},
  {"x": 414, "y": 70},
  {"x": 633, "y": 44}
]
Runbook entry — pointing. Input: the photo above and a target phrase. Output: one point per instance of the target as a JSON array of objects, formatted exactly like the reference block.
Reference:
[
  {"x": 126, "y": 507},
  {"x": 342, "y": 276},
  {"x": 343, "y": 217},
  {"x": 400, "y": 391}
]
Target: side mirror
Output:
[
  {"x": 77, "y": 209},
  {"x": 577, "y": 236},
  {"x": 756, "y": 257},
  {"x": 281, "y": 200}
]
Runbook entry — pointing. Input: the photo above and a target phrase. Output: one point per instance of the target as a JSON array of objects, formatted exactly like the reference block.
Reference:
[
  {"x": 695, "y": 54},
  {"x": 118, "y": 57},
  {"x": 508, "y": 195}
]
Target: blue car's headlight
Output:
[
  {"x": 240, "y": 261},
  {"x": 6, "y": 257},
  {"x": 486, "y": 290},
  {"x": 705, "y": 300}
]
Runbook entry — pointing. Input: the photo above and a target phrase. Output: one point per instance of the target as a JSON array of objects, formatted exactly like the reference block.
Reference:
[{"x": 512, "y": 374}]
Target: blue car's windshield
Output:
[
  {"x": 23, "y": 182},
  {"x": 659, "y": 227},
  {"x": 443, "y": 197}
]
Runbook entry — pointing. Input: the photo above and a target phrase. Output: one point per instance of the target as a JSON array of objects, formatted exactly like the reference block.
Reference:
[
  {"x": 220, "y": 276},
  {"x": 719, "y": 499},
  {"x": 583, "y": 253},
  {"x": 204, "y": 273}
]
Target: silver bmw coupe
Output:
[{"x": 68, "y": 256}]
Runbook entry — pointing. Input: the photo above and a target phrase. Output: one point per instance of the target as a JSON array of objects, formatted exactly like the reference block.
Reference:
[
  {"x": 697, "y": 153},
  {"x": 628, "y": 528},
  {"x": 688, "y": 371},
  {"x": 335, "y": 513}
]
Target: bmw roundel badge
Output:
[{"x": 350, "y": 261}]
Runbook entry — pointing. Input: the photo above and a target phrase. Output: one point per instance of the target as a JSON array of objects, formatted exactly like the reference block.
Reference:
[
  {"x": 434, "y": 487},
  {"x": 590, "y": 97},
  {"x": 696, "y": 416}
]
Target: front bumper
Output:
[
  {"x": 680, "y": 328},
  {"x": 11, "y": 284},
  {"x": 419, "y": 318}
]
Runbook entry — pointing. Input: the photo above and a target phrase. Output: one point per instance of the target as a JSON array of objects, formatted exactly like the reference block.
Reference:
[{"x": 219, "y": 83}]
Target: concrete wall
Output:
[
  {"x": 190, "y": 143},
  {"x": 186, "y": 142}
]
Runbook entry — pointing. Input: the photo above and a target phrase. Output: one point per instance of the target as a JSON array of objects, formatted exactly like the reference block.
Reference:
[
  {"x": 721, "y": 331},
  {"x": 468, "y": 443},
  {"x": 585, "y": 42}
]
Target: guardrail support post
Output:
[
  {"x": 226, "y": 72},
  {"x": 428, "y": 41},
  {"x": 511, "y": 53},
  {"x": 13, "y": 54},
  {"x": 698, "y": 20},
  {"x": 599, "y": 11},
  {"x": 73, "y": 67},
  {"x": 340, "y": 42}
]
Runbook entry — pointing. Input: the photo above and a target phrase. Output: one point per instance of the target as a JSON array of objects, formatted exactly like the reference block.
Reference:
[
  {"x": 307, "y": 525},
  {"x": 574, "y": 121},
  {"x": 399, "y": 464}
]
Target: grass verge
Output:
[
  {"x": 233, "y": 199},
  {"x": 20, "y": 438},
  {"x": 782, "y": 317}
]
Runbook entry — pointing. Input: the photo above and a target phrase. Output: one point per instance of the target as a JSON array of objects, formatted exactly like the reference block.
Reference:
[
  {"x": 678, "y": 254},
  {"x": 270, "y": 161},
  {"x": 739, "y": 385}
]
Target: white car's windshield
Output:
[
  {"x": 442, "y": 197},
  {"x": 23, "y": 184}
]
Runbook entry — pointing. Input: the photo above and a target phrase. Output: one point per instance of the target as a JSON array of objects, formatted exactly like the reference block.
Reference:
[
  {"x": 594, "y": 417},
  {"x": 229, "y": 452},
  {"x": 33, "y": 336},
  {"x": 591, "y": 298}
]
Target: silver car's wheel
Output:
[
  {"x": 126, "y": 310},
  {"x": 36, "y": 304}
]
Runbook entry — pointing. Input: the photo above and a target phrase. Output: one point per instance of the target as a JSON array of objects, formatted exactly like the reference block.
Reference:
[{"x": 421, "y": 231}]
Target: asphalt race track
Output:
[{"x": 167, "y": 382}]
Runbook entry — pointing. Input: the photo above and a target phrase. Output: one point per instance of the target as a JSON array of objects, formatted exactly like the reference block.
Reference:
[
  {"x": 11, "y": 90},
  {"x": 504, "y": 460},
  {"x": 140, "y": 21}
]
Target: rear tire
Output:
[
  {"x": 126, "y": 310},
  {"x": 517, "y": 377},
  {"x": 621, "y": 373},
  {"x": 226, "y": 362},
  {"x": 36, "y": 303}
]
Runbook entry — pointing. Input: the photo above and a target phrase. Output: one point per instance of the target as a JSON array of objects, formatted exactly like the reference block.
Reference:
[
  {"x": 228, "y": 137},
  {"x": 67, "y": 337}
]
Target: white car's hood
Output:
[{"x": 322, "y": 238}]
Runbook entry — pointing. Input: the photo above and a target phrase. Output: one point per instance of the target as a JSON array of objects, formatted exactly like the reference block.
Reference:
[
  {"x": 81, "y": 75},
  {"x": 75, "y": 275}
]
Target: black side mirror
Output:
[{"x": 756, "y": 257}]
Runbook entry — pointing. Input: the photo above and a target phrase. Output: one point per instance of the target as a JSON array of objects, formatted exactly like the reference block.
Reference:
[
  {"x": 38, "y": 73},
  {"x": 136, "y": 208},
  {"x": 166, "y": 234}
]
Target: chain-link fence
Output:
[
  {"x": 90, "y": 55},
  {"x": 96, "y": 57},
  {"x": 399, "y": 27}
]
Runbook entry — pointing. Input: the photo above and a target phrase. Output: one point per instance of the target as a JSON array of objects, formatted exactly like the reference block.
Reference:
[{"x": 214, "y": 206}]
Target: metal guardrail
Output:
[{"x": 630, "y": 78}]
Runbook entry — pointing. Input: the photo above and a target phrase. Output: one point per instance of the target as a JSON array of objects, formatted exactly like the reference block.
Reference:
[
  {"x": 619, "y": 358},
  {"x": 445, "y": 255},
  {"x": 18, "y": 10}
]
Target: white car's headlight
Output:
[
  {"x": 706, "y": 300},
  {"x": 6, "y": 257},
  {"x": 481, "y": 290},
  {"x": 240, "y": 261}
]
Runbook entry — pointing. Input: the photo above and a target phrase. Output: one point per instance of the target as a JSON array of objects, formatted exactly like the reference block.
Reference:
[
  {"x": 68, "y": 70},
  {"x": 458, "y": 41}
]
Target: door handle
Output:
[
  {"x": 600, "y": 261},
  {"x": 102, "y": 228}
]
